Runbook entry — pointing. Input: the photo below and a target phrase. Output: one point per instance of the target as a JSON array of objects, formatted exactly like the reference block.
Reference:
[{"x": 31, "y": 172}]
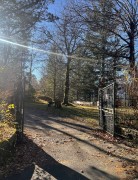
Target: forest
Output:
[
  {"x": 69, "y": 58},
  {"x": 90, "y": 44}
]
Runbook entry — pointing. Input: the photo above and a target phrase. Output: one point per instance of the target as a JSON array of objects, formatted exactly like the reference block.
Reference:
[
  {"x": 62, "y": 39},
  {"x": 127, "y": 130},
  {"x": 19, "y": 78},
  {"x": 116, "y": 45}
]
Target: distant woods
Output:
[
  {"x": 103, "y": 35},
  {"x": 17, "y": 22},
  {"x": 94, "y": 43}
]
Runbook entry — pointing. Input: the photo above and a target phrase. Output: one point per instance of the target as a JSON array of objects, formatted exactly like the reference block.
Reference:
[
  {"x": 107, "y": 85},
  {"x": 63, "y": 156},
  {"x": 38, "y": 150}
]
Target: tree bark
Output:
[
  {"x": 30, "y": 75},
  {"x": 131, "y": 46},
  {"x": 54, "y": 94},
  {"x": 67, "y": 83}
]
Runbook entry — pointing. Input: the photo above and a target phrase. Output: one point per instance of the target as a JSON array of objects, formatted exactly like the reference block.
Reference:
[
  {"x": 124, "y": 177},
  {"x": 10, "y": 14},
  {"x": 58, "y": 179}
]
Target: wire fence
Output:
[
  {"x": 118, "y": 107},
  {"x": 126, "y": 108}
]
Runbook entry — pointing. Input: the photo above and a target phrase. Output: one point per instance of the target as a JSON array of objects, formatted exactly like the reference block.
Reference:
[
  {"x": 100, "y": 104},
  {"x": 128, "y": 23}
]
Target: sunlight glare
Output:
[{"x": 42, "y": 50}]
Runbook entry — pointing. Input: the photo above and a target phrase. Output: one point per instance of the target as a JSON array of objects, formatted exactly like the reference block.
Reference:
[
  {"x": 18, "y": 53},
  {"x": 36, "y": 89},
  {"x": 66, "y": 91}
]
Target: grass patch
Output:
[
  {"x": 127, "y": 111},
  {"x": 127, "y": 117},
  {"x": 82, "y": 113}
]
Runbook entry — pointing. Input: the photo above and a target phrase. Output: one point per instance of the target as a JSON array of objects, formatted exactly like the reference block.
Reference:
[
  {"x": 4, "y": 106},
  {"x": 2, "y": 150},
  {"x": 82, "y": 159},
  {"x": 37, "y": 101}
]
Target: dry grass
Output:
[
  {"x": 6, "y": 131},
  {"x": 82, "y": 113}
]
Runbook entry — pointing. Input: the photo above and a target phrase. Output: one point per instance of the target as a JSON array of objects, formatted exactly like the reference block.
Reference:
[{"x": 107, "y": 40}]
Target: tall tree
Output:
[
  {"x": 126, "y": 16},
  {"x": 112, "y": 29},
  {"x": 67, "y": 38},
  {"x": 53, "y": 76},
  {"x": 95, "y": 16},
  {"x": 17, "y": 21}
]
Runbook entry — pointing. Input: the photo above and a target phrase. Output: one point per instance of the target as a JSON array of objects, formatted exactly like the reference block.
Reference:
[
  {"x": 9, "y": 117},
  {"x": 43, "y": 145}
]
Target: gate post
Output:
[
  {"x": 114, "y": 100},
  {"x": 100, "y": 106},
  {"x": 107, "y": 108},
  {"x": 19, "y": 104}
]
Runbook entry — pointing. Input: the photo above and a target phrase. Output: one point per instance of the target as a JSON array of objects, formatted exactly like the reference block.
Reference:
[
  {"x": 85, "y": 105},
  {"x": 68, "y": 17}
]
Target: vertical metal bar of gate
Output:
[
  {"x": 23, "y": 94},
  {"x": 113, "y": 109},
  {"x": 107, "y": 108},
  {"x": 100, "y": 107},
  {"x": 19, "y": 103}
]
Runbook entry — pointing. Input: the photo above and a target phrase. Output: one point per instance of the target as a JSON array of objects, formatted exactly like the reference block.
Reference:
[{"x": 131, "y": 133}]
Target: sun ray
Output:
[{"x": 43, "y": 51}]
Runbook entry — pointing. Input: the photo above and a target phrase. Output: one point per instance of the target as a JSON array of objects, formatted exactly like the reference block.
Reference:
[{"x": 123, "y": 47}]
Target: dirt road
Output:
[{"x": 65, "y": 149}]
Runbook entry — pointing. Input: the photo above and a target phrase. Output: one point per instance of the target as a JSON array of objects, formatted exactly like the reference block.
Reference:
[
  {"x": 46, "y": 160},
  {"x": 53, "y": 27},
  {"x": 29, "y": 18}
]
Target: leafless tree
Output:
[{"x": 67, "y": 38}]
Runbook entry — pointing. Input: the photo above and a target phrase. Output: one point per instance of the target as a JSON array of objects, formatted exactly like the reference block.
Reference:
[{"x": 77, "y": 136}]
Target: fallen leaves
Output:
[{"x": 6, "y": 131}]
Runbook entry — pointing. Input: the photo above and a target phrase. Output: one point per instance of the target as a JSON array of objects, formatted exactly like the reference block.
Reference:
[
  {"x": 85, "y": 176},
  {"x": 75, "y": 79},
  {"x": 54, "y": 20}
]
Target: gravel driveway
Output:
[{"x": 65, "y": 149}]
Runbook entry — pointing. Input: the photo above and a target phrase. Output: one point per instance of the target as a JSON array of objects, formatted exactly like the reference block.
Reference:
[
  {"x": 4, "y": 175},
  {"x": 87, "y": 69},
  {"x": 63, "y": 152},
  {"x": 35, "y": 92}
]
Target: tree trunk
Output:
[
  {"x": 132, "y": 46},
  {"x": 67, "y": 83},
  {"x": 30, "y": 77},
  {"x": 132, "y": 55},
  {"x": 55, "y": 79},
  {"x": 77, "y": 95},
  {"x": 54, "y": 95}
]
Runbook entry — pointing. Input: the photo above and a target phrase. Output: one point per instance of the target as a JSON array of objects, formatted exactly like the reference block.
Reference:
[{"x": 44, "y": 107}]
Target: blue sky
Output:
[
  {"x": 57, "y": 7},
  {"x": 54, "y": 8}
]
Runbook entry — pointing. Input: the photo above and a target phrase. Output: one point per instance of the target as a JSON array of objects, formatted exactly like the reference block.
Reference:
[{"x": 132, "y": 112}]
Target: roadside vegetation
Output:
[
  {"x": 7, "y": 121},
  {"x": 76, "y": 112},
  {"x": 6, "y": 131}
]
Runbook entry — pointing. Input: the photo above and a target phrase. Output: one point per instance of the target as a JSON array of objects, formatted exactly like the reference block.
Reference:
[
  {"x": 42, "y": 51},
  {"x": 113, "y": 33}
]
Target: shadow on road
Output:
[
  {"x": 99, "y": 174},
  {"x": 44, "y": 124},
  {"x": 33, "y": 154}
]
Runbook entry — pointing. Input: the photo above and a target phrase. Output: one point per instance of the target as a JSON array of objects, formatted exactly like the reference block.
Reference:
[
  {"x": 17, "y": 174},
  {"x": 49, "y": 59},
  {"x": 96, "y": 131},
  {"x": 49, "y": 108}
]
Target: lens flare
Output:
[{"x": 42, "y": 50}]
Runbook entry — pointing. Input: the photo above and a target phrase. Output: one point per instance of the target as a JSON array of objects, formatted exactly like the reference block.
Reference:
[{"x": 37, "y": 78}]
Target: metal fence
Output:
[
  {"x": 19, "y": 106},
  {"x": 126, "y": 109},
  {"x": 118, "y": 108},
  {"x": 107, "y": 108}
]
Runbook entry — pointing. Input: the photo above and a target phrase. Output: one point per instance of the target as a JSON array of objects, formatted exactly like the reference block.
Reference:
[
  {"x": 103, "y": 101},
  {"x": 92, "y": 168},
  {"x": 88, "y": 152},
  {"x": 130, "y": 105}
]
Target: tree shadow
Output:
[
  {"x": 46, "y": 126},
  {"x": 7, "y": 149},
  {"x": 33, "y": 154},
  {"x": 99, "y": 174},
  {"x": 95, "y": 132},
  {"x": 64, "y": 112},
  {"x": 46, "y": 120}
]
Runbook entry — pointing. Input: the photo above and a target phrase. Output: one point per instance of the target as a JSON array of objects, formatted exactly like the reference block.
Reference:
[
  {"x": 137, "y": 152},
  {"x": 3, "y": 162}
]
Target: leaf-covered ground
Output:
[
  {"x": 59, "y": 147},
  {"x": 6, "y": 131},
  {"x": 81, "y": 113}
]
